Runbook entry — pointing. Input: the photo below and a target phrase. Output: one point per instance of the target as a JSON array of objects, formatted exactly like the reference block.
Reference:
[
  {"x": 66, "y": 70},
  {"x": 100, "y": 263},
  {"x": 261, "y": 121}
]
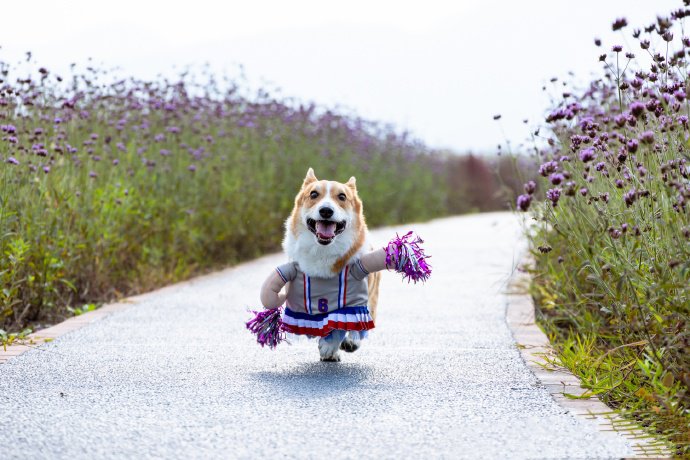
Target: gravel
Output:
[{"x": 178, "y": 376}]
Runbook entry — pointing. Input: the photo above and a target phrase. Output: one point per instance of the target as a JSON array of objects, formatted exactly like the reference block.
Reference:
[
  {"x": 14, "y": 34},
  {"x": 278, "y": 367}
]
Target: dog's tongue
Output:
[{"x": 325, "y": 229}]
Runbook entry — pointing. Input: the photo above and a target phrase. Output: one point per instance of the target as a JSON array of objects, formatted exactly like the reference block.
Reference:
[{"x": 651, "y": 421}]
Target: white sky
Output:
[{"x": 440, "y": 69}]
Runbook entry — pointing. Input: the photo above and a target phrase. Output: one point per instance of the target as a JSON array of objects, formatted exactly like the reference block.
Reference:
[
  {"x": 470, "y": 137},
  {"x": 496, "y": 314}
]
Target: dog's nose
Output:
[{"x": 326, "y": 212}]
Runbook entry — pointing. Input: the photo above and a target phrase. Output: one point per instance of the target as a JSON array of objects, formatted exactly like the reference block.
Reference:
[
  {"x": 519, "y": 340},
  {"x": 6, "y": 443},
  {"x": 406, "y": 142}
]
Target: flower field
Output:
[
  {"x": 112, "y": 187},
  {"x": 612, "y": 243}
]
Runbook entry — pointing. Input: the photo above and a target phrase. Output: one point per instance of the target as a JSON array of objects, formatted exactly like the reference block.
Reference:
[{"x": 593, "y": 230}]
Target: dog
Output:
[{"x": 326, "y": 235}]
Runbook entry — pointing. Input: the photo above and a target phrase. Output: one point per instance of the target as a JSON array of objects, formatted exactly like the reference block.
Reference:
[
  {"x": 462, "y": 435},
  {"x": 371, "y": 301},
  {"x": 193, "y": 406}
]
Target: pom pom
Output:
[
  {"x": 268, "y": 327},
  {"x": 406, "y": 256}
]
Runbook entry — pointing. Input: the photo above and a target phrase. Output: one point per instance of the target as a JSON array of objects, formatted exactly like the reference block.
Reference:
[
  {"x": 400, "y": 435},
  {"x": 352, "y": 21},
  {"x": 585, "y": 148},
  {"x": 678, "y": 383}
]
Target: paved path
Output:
[{"x": 178, "y": 376}]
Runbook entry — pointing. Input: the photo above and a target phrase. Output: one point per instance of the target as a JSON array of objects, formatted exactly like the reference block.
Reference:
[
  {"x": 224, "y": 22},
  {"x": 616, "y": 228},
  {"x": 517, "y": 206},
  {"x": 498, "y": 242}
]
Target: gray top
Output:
[{"x": 312, "y": 295}]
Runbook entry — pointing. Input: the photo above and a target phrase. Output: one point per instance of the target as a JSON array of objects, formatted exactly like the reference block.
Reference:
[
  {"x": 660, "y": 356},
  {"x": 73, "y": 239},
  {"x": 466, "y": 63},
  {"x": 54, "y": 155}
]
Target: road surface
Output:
[{"x": 178, "y": 376}]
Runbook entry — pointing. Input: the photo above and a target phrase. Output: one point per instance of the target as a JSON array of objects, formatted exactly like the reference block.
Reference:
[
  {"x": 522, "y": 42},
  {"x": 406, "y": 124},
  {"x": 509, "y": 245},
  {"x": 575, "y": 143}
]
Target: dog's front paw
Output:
[
  {"x": 352, "y": 342},
  {"x": 331, "y": 359}
]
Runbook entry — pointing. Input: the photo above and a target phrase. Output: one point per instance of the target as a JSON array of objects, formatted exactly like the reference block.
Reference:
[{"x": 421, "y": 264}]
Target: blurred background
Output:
[{"x": 439, "y": 69}]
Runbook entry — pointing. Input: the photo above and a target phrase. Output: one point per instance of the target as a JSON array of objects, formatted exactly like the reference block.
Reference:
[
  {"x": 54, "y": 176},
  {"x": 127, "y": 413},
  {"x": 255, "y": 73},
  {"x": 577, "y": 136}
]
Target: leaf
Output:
[{"x": 667, "y": 381}]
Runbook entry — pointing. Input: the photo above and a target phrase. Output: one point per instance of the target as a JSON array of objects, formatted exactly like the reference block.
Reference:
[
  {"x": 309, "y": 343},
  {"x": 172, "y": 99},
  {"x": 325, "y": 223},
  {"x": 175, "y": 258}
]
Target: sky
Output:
[{"x": 440, "y": 69}]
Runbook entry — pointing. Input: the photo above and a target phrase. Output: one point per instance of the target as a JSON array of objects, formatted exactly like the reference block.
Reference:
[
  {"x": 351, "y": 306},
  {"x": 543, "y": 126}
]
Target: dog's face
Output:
[{"x": 327, "y": 209}]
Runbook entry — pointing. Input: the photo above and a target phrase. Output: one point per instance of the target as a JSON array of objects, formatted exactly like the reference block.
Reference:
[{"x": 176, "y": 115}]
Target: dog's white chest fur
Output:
[{"x": 315, "y": 259}]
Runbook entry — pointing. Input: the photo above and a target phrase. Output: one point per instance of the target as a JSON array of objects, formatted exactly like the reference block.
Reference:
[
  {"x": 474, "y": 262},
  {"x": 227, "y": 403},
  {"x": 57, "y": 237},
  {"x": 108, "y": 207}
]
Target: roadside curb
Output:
[{"x": 534, "y": 346}]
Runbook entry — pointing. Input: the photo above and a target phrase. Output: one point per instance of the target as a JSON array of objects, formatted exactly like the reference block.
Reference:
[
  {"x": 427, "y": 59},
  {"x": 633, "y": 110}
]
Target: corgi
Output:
[{"x": 325, "y": 236}]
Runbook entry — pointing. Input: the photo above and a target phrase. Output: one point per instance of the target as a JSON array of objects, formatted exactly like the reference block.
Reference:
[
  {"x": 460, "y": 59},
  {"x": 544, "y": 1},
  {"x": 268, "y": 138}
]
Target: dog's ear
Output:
[
  {"x": 309, "y": 178},
  {"x": 352, "y": 183}
]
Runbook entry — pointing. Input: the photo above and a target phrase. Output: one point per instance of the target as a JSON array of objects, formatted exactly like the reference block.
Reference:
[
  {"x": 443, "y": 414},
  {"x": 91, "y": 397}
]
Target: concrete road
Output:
[{"x": 178, "y": 376}]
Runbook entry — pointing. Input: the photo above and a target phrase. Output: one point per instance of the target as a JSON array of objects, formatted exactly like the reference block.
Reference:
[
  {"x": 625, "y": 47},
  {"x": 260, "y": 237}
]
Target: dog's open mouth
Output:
[{"x": 325, "y": 230}]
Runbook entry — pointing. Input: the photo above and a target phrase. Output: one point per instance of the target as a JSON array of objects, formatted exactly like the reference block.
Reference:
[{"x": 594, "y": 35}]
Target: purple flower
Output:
[
  {"x": 530, "y": 187},
  {"x": 632, "y": 145},
  {"x": 548, "y": 167},
  {"x": 644, "y": 44},
  {"x": 619, "y": 183},
  {"x": 159, "y": 137},
  {"x": 600, "y": 166},
  {"x": 553, "y": 194},
  {"x": 637, "y": 108},
  {"x": 116, "y": 162},
  {"x": 587, "y": 154},
  {"x": 12, "y": 161},
  {"x": 192, "y": 168},
  {"x": 523, "y": 202},
  {"x": 164, "y": 152},
  {"x": 173, "y": 129},
  {"x": 584, "y": 191},
  {"x": 92, "y": 174},
  {"x": 619, "y": 23},
  {"x": 556, "y": 178},
  {"x": 9, "y": 129},
  {"x": 11, "y": 139},
  {"x": 617, "y": 48},
  {"x": 647, "y": 137},
  {"x": 679, "y": 95},
  {"x": 46, "y": 169},
  {"x": 57, "y": 120},
  {"x": 630, "y": 197},
  {"x": 121, "y": 147}
]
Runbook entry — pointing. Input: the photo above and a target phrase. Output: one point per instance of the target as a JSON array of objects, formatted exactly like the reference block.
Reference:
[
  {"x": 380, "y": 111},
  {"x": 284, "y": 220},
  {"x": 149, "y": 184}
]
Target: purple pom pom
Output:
[
  {"x": 268, "y": 327},
  {"x": 406, "y": 257}
]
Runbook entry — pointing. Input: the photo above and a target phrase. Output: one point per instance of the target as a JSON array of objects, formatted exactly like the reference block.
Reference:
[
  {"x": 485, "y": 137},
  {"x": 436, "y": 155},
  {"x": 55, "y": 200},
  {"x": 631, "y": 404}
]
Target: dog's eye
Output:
[
  {"x": 314, "y": 195},
  {"x": 342, "y": 197}
]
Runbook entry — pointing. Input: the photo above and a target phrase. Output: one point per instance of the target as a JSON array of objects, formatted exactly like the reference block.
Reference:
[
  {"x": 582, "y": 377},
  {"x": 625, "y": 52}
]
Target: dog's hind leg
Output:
[
  {"x": 329, "y": 346},
  {"x": 352, "y": 342}
]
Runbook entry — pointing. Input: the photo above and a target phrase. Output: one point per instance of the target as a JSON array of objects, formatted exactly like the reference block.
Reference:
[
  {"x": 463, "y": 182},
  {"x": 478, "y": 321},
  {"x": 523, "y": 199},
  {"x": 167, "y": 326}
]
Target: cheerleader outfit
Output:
[{"x": 317, "y": 306}]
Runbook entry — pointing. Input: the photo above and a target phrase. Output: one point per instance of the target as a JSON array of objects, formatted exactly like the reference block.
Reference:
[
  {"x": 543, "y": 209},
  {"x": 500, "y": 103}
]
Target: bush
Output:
[{"x": 613, "y": 243}]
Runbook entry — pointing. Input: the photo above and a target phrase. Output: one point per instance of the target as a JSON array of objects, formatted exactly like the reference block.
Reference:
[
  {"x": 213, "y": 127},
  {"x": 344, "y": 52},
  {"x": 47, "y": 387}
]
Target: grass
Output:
[{"x": 612, "y": 242}]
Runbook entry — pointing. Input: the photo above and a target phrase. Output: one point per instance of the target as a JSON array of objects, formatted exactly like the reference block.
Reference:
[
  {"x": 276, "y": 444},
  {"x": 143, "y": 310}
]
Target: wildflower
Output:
[
  {"x": 164, "y": 152},
  {"x": 159, "y": 137},
  {"x": 12, "y": 161},
  {"x": 46, "y": 169},
  {"x": 11, "y": 139},
  {"x": 667, "y": 36},
  {"x": 57, "y": 120},
  {"x": 644, "y": 44},
  {"x": 544, "y": 249},
  {"x": 605, "y": 197},
  {"x": 679, "y": 95},
  {"x": 92, "y": 174},
  {"x": 173, "y": 129},
  {"x": 617, "y": 48},
  {"x": 94, "y": 136},
  {"x": 630, "y": 55},
  {"x": 632, "y": 145},
  {"x": 116, "y": 162},
  {"x": 599, "y": 166},
  {"x": 556, "y": 178},
  {"x": 637, "y": 108},
  {"x": 192, "y": 168},
  {"x": 615, "y": 233},
  {"x": 587, "y": 154},
  {"x": 497, "y": 117},
  {"x": 530, "y": 187},
  {"x": 619, "y": 183},
  {"x": 642, "y": 171},
  {"x": 523, "y": 202},
  {"x": 647, "y": 137},
  {"x": 597, "y": 41},
  {"x": 624, "y": 227},
  {"x": 619, "y": 23},
  {"x": 683, "y": 120},
  {"x": 548, "y": 167},
  {"x": 630, "y": 197},
  {"x": 9, "y": 129},
  {"x": 564, "y": 158},
  {"x": 584, "y": 191},
  {"x": 602, "y": 58},
  {"x": 121, "y": 147},
  {"x": 553, "y": 195}
]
